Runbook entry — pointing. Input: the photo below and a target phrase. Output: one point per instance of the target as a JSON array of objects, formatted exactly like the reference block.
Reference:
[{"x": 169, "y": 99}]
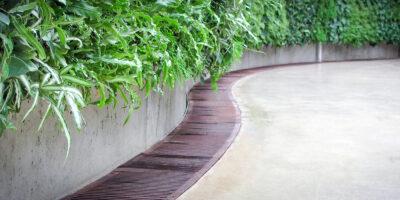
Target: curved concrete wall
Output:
[
  {"x": 314, "y": 53},
  {"x": 32, "y": 163}
]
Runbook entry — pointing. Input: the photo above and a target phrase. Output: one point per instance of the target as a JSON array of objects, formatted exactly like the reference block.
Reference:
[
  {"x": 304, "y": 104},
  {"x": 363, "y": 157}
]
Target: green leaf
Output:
[
  {"x": 148, "y": 87},
  {"x": 7, "y": 43},
  {"x": 5, "y": 72},
  {"x": 64, "y": 126},
  {"x": 35, "y": 101},
  {"x": 82, "y": 8},
  {"x": 5, "y": 123},
  {"x": 62, "y": 36},
  {"x": 17, "y": 66},
  {"x": 77, "y": 81},
  {"x": 26, "y": 34},
  {"x": 121, "y": 79},
  {"x": 62, "y": 88},
  {"x": 117, "y": 61},
  {"x": 49, "y": 69},
  {"x": 4, "y": 18},
  {"x": 23, "y": 8},
  {"x": 102, "y": 93},
  {"x": 75, "y": 111},
  {"x": 165, "y": 2},
  {"x": 46, "y": 114}
]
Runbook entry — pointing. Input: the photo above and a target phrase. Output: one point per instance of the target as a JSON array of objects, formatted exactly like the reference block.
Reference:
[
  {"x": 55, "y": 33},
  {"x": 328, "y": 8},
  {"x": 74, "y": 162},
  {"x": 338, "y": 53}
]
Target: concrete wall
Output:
[
  {"x": 32, "y": 163},
  {"x": 275, "y": 56},
  {"x": 345, "y": 52},
  {"x": 312, "y": 53}
]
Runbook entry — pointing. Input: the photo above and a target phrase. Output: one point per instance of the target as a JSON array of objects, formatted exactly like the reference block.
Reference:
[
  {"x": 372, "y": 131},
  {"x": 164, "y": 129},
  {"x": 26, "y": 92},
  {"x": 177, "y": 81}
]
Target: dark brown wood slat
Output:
[{"x": 174, "y": 164}]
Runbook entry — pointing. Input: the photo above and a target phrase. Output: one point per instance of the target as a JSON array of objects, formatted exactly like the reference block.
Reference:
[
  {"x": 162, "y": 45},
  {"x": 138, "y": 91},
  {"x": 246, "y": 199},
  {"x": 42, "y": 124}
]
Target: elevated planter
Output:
[{"x": 32, "y": 163}]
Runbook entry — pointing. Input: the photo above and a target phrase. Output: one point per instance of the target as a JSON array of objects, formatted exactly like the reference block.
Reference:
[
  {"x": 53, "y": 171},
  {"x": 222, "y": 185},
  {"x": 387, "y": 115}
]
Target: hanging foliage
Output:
[{"x": 72, "y": 53}]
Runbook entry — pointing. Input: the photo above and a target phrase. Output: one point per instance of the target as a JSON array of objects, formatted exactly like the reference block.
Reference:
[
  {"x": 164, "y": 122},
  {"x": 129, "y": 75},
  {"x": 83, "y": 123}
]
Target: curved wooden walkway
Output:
[{"x": 170, "y": 167}]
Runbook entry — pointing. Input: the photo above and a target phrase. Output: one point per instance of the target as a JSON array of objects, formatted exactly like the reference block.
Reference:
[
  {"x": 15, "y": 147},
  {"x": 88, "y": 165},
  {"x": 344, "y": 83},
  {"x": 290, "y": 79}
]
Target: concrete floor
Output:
[{"x": 320, "y": 131}]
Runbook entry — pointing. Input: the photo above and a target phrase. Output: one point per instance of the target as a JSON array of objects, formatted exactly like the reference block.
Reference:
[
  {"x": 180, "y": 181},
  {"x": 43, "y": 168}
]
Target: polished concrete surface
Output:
[{"x": 318, "y": 131}]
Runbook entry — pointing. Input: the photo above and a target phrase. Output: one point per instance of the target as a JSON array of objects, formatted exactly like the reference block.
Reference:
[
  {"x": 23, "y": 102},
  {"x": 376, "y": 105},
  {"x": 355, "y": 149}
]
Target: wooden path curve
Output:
[{"x": 174, "y": 164}]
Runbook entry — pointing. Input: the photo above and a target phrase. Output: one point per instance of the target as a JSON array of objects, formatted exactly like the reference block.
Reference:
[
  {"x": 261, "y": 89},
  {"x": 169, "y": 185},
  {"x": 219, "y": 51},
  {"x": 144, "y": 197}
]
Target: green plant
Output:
[
  {"x": 363, "y": 23},
  {"x": 277, "y": 25},
  {"x": 301, "y": 16},
  {"x": 78, "y": 52},
  {"x": 268, "y": 22},
  {"x": 72, "y": 53},
  {"x": 326, "y": 12}
]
